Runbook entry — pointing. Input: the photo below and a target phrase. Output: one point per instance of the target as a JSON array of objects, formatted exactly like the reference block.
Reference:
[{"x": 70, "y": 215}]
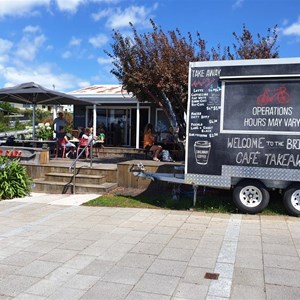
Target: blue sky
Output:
[{"x": 61, "y": 43}]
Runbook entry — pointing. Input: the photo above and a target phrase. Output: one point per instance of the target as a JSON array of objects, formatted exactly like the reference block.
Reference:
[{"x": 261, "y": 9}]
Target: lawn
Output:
[{"x": 208, "y": 200}]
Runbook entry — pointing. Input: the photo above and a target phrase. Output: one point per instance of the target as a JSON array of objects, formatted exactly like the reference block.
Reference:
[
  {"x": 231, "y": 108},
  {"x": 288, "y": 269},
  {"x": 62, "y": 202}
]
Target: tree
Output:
[
  {"x": 154, "y": 66},
  {"x": 8, "y": 108}
]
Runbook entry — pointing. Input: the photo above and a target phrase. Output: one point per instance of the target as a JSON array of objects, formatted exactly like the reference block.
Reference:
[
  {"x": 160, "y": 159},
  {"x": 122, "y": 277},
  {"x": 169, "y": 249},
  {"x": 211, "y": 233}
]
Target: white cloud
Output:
[
  {"x": 28, "y": 47},
  {"x": 99, "y": 40},
  {"x": 238, "y": 3},
  {"x": 118, "y": 18},
  {"x": 44, "y": 75},
  {"x": 102, "y": 14},
  {"x": 104, "y": 60},
  {"x": 31, "y": 29},
  {"x": 138, "y": 15},
  {"x": 293, "y": 29},
  {"x": 5, "y": 46},
  {"x": 66, "y": 54},
  {"x": 20, "y": 7},
  {"x": 74, "y": 41},
  {"x": 69, "y": 5}
]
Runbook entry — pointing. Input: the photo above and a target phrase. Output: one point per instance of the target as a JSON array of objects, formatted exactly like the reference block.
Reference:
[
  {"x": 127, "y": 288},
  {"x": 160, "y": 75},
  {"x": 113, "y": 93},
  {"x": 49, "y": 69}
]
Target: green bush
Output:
[{"x": 14, "y": 180}]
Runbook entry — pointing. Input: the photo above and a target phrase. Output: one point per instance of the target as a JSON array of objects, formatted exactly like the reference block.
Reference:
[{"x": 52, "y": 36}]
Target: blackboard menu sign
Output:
[{"x": 243, "y": 114}]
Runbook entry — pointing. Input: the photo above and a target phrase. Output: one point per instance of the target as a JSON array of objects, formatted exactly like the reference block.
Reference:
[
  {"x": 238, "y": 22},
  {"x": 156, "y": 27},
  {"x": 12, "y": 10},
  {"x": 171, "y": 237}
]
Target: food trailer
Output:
[{"x": 244, "y": 130}]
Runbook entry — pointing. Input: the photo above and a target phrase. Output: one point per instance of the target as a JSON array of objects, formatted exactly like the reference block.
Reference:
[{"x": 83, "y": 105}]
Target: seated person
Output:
[
  {"x": 63, "y": 141},
  {"x": 84, "y": 141},
  {"x": 149, "y": 145}
]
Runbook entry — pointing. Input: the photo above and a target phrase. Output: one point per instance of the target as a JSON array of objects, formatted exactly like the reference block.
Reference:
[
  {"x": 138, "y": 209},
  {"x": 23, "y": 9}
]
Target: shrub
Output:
[{"x": 14, "y": 180}]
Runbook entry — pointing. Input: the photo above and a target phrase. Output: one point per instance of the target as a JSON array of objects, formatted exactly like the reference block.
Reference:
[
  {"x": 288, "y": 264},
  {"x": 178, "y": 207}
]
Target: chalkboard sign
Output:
[
  {"x": 243, "y": 114},
  {"x": 270, "y": 107}
]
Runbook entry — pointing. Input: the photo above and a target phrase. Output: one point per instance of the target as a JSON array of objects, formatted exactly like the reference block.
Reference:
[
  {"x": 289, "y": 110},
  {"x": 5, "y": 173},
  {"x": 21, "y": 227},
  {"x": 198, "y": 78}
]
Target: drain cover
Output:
[{"x": 213, "y": 276}]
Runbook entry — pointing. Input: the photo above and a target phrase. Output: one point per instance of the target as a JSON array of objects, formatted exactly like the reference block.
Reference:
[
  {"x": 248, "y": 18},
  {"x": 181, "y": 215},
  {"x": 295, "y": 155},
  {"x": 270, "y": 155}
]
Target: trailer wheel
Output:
[
  {"x": 291, "y": 199},
  {"x": 251, "y": 196}
]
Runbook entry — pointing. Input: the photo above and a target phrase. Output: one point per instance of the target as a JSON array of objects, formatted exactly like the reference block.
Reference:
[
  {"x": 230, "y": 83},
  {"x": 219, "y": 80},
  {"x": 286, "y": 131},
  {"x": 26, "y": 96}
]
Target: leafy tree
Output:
[
  {"x": 8, "y": 108},
  {"x": 154, "y": 65},
  {"x": 265, "y": 47}
]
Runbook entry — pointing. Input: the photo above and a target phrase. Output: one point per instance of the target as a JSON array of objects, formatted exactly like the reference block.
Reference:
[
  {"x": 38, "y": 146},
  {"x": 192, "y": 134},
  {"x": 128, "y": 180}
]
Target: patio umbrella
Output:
[{"x": 34, "y": 94}]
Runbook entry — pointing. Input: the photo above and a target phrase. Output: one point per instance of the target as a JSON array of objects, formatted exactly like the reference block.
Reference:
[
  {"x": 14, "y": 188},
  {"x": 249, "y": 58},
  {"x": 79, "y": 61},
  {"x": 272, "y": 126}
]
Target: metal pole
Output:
[
  {"x": 137, "y": 131},
  {"x": 74, "y": 179}
]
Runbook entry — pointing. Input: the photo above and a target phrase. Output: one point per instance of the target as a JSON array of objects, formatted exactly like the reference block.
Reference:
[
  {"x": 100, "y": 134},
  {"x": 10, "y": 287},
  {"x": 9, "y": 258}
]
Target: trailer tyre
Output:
[
  {"x": 291, "y": 199},
  {"x": 251, "y": 196}
]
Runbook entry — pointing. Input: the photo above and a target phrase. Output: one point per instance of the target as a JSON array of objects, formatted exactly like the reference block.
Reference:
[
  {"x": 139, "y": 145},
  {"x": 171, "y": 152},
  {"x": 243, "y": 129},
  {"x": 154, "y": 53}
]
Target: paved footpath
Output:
[{"x": 53, "y": 248}]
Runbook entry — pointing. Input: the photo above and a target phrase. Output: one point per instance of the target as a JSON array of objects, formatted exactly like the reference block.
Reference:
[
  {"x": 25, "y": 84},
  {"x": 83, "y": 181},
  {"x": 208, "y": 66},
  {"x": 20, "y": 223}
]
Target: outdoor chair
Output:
[
  {"x": 60, "y": 148},
  {"x": 82, "y": 143}
]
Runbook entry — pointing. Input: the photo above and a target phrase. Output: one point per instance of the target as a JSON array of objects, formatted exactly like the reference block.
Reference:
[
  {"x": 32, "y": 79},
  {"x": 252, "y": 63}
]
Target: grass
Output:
[{"x": 210, "y": 200}]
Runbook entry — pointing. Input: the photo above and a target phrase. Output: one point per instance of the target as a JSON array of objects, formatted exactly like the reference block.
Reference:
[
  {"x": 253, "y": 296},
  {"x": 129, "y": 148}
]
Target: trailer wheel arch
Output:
[
  {"x": 251, "y": 196},
  {"x": 291, "y": 199}
]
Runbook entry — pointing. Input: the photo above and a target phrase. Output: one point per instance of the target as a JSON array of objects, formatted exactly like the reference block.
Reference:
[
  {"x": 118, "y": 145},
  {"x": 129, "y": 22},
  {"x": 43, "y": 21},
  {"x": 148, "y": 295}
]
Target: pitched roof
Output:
[{"x": 101, "y": 89}]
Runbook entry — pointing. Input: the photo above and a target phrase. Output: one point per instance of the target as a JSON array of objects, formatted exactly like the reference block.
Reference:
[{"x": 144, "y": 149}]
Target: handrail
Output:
[{"x": 73, "y": 164}]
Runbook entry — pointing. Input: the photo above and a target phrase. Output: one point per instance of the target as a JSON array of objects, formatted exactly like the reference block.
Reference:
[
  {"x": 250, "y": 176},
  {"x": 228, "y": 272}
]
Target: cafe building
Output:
[{"x": 123, "y": 116}]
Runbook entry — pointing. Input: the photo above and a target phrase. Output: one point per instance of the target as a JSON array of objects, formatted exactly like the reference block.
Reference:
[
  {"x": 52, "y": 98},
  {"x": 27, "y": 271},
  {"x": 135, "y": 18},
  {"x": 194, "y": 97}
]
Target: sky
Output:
[{"x": 60, "y": 44}]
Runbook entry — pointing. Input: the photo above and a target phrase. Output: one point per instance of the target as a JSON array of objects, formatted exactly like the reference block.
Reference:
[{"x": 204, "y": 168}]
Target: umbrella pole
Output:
[{"x": 33, "y": 121}]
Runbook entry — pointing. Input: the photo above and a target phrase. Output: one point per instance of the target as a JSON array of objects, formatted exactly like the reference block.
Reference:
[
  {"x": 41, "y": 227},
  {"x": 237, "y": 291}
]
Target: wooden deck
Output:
[{"x": 53, "y": 176}]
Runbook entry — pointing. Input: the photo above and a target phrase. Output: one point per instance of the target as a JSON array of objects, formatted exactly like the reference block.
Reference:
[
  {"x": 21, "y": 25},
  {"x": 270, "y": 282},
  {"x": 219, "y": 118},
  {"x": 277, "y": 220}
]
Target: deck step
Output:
[
  {"x": 59, "y": 187},
  {"x": 80, "y": 178}
]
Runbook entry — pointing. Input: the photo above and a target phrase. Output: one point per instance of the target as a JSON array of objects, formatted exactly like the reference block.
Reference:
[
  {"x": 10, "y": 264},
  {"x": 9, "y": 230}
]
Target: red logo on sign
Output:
[{"x": 269, "y": 95}]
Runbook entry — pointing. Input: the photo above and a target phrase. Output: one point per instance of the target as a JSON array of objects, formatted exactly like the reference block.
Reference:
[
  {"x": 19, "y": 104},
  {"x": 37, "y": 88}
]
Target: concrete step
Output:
[
  {"x": 80, "y": 178},
  {"x": 59, "y": 187}
]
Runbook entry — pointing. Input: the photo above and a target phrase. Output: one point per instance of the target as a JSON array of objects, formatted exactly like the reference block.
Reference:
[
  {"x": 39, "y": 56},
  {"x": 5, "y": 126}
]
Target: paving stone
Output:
[
  {"x": 148, "y": 248},
  {"x": 176, "y": 254},
  {"x": 183, "y": 243},
  {"x": 248, "y": 277},
  {"x": 38, "y": 268},
  {"x": 76, "y": 244},
  {"x": 61, "y": 274},
  {"x": 25, "y": 296},
  {"x": 136, "y": 260},
  {"x": 157, "y": 238},
  {"x": 44, "y": 288},
  {"x": 107, "y": 291},
  {"x": 282, "y": 261},
  {"x": 97, "y": 268},
  {"x": 240, "y": 292},
  {"x": 134, "y": 295},
  {"x": 59, "y": 255},
  {"x": 168, "y": 267},
  {"x": 42, "y": 246},
  {"x": 279, "y": 249},
  {"x": 20, "y": 259},
  {"x": 191, "y": 291},
  {"x": 160, "y": 284},
  {"x": 189, "y": 234},
  {"x": 277, "y": 292},
  {"x": 282, "y": 277},
  {"x": 79, "y": 262},
  {"x": 203, "y": 262},
  {"x": 65, "y": 293},
  {"x": 16, "y": 284},
  {"x": 122, "y": 274},
  {"x": 82, "y": 282},
  {"x": 6, "y": 270}
]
